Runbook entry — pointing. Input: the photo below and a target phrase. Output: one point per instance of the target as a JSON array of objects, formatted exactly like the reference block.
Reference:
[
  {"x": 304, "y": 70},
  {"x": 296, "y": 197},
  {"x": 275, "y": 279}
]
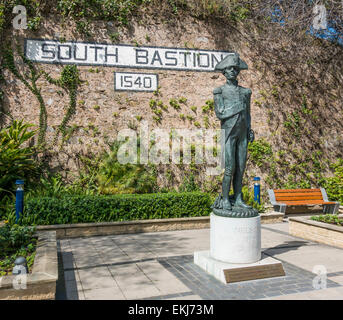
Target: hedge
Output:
[{"x": 121, "y": 207}]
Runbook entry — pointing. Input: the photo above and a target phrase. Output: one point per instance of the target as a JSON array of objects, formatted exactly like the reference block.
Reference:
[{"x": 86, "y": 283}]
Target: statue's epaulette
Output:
[
  {"x": 246, "y": 90},
  {"x": 217, "y": 90}
]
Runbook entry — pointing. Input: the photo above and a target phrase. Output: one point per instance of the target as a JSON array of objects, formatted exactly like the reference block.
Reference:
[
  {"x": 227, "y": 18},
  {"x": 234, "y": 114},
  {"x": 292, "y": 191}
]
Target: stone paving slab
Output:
[
  {"x": 162, "y": 278},
  {"x": 282, "y": 226},
  {"x": 308, "y": 256},
  {"x": 273, "y": 239},
  {"x": 133, "y": 282},
  {"x": 160, "y": 265},
  {"x": 96, "y": 278},
  {"x": 104, "y": 294},
  {"x": 338, "y": 279},
  {"x": 133, "y": 248}
]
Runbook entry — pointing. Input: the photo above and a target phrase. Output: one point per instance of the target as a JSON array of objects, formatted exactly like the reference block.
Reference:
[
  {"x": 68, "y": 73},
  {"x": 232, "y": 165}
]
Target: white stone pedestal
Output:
[
  {"x": 225, "y": 272},
  {"x": 235, "y": 251},
  {"x": 235, "y": 240}
]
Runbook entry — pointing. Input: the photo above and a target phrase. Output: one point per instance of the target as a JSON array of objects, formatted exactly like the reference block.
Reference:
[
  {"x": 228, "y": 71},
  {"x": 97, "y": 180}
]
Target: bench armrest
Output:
[
  {"x": 278, "y": 206},
  {"x": 329, "y": 208}
]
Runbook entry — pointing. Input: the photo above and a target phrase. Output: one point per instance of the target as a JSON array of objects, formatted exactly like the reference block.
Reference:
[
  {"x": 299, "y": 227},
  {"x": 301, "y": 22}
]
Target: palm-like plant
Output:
[
  {"x": 114, "y": 177},
  {"x": 15, "y": 158}
]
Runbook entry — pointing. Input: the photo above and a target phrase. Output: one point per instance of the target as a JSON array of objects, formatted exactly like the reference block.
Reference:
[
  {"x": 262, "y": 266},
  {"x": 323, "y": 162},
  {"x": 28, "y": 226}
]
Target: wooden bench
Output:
[{"x": 282, "y": 198}]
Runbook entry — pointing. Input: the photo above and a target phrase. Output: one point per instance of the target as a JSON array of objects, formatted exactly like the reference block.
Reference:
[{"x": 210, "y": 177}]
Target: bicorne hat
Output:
[{"x": 231, "y": 60}]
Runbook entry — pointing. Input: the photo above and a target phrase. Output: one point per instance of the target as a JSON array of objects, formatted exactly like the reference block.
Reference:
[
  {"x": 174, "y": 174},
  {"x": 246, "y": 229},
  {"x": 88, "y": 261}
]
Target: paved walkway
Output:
[{"x": 160, "y": 266}]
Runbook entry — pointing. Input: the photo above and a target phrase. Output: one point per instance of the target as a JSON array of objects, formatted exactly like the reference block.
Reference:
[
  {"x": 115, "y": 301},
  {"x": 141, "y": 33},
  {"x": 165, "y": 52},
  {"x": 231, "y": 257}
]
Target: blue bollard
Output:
[
  {"x": 257, "y": 190},
  {"x": 19, "y": 199}
]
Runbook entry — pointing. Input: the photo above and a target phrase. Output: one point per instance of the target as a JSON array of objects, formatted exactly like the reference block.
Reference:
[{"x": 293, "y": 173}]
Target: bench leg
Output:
[
  {"x": 280, "y": 208},
  {"x": 335, "y": 208},
  {"x": 331, "y": 208}
]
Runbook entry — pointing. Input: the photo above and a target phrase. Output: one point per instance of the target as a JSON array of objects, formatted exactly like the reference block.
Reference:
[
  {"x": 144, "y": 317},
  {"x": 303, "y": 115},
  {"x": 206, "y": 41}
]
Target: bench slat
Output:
[
  {"x": 296, "y": 197},
  {"x": 302, "y": 203},
  {"x": 282, "y": 194},
  {"x": 297, "y": 191}
]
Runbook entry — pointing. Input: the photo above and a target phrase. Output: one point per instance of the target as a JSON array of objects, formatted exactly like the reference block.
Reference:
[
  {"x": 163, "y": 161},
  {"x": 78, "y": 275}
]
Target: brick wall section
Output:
[{"x": 316, "y": 231}]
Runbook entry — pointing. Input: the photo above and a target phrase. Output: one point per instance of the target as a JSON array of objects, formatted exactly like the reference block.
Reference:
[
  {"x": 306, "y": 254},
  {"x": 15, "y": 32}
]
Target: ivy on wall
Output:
[
  {"x": 29, "y": 79},
  {"x": 290, "y": 168},
  {"x": 68, "y": 81}
]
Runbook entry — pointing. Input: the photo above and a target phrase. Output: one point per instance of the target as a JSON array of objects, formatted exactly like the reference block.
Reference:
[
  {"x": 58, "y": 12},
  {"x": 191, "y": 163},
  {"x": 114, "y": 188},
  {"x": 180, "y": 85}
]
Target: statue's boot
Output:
[
  {"x": 227, "y": 205},
  {"x": 240, "y": 203}
]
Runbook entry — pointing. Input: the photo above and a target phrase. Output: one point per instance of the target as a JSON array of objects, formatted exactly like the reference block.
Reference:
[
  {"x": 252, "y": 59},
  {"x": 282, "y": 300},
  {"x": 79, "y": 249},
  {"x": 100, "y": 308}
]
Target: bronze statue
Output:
[{"x": 232, "y": 107}]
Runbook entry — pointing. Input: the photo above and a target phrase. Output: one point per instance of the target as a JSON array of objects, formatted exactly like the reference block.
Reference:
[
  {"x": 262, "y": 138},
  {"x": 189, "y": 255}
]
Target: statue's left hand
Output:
[{"x": 251, "y": 135}]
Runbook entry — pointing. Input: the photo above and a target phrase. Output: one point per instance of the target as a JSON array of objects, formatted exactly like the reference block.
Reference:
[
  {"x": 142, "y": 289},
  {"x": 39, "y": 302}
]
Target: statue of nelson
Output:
[{"x": 232, "y": 107}]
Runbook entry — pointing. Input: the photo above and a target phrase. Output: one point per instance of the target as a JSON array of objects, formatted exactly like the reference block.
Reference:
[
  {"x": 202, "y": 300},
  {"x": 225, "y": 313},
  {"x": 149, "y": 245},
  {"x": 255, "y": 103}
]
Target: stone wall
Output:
[{"x": 101, "y": 112}]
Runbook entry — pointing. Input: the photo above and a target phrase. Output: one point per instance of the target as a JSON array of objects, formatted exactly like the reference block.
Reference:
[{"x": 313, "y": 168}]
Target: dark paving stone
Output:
[
  {"x": 290, "y": 286},
  {"x": 60, "y": 284},
  {"x": 255, "y": 297},
  {"x": 209, "y": 288},
  {"x": 289, "y": 291},
  {"x": 333, "y": 274},
  {"x": 72, "y": 295},
  {"x": 273, "y": 289},
  {"x": 304, "y": 289},
  {"x": 333, "y": 285},
  {"x": 274, "y": 293}
]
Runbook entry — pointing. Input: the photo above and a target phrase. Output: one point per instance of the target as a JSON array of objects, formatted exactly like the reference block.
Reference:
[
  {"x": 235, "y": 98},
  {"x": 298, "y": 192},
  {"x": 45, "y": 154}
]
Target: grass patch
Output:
[{"x": 329, "y": 218}]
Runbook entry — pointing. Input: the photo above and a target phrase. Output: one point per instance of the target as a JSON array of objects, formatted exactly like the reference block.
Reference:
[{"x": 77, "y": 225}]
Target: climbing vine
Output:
[
  {"x": 29, "y": 79},
  {"x": 289, "y": 169},
  {"x": 68, "y": 81}
]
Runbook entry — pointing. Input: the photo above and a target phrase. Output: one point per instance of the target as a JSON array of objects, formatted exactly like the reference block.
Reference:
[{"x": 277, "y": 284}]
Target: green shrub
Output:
[
  {"x": 248, "y": 196},
  {"x": 54, "y": 186},
  {"x": 16, "y": 241},
  {"x": 15, "y": 237},
  {"x": 15, "y": 159},
  {"x": 334, "y": 185},
  {"x": 121, "y": 207},
  {"x": 189, "y": 184}
]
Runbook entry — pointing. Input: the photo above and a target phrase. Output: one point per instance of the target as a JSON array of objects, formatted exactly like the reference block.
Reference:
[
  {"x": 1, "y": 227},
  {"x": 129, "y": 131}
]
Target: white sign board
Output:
[
  {"x": 130, "y": 81},
  {"x": 122, "y": 56}
]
